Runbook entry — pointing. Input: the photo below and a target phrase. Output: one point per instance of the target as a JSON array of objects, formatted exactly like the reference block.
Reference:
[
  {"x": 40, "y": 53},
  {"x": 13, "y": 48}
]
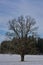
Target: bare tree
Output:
[{"x": 21, "y": 28}]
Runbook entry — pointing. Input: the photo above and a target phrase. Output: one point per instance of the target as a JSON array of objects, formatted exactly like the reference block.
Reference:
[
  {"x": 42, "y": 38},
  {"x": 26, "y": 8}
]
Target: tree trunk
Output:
[{"x": 22, "y": 57}]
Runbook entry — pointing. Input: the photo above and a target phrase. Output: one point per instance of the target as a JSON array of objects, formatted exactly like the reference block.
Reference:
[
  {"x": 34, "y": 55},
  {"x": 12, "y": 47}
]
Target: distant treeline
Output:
[{"x": 17, "y": 46}]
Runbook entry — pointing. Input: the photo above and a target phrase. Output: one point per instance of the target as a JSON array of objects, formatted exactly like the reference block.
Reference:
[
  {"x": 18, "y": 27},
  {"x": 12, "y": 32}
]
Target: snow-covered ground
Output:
[{"x": 9, "y": 59}]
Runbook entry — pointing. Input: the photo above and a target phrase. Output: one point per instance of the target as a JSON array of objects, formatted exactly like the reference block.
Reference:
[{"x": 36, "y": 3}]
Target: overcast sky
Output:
[{"x": 10, "y": 9}]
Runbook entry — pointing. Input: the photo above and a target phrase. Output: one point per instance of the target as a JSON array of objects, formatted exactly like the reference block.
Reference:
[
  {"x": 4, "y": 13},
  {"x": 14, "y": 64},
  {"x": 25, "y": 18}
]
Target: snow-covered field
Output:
[{"x": 9, "y": 59}]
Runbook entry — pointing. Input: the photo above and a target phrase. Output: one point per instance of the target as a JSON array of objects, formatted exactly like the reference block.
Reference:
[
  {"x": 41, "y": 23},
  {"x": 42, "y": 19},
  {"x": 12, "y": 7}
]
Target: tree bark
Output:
[{"x": 22, "y": 57}]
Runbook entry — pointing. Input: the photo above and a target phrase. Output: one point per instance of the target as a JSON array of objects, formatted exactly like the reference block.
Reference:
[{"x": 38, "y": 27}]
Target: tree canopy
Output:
[{"x": 22, "y": 27}]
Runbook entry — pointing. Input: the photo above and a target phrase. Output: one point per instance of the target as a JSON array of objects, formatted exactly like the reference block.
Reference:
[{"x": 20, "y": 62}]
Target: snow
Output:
[
  {"x": 34, "y": 58},
  {"x": 9, "y": 59}
]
